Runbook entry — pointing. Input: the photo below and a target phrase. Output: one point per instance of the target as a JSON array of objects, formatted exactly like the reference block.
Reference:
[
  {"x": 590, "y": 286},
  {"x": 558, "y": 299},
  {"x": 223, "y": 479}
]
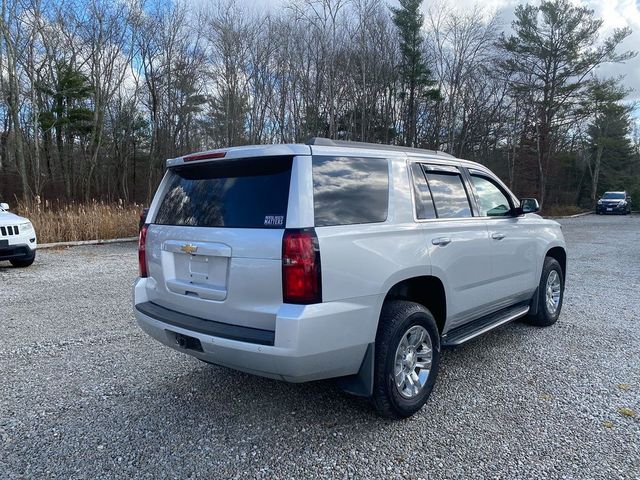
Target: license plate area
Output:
[
  {"x": 196, "y": 269},
  {"x": 609, "y": 209},
  {"x": 201, "y": 269}
]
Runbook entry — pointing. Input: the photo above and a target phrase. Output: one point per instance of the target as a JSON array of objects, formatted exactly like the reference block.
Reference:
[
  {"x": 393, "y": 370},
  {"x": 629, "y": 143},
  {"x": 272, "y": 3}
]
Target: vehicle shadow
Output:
[
  {"x": 234, "y": 400},
  {"x": 208, "y": 414}
]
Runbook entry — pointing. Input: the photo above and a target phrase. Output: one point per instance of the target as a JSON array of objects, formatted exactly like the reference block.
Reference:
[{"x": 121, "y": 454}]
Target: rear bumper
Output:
[{"x": 310, "y": 342}]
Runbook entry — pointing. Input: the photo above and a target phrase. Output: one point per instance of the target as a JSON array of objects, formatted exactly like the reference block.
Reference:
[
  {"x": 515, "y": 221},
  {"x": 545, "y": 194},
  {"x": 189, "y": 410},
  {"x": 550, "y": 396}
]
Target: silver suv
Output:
[{"x": 341, "y": 260}]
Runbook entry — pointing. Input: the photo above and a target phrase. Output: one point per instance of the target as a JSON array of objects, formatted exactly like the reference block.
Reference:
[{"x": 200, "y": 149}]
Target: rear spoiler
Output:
[{"x": 240, "y": 152}]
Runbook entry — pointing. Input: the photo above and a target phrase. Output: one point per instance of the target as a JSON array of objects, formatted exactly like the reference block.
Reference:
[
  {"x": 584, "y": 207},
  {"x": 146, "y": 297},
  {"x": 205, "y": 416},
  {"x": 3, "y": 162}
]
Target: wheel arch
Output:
[
  {"x": 427, "y": 290},
  {"x": 560, "y": 254}
]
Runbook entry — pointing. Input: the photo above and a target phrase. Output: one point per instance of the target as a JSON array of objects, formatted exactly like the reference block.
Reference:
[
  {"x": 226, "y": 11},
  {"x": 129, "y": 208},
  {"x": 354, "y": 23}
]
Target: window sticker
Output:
[{"x": 273, "y": 220}]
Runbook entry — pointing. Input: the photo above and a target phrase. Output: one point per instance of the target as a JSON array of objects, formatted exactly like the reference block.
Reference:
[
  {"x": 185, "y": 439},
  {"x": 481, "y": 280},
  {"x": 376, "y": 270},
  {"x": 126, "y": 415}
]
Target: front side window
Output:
[
  {"x": 350, "y": 190},
  {"x": 491, "y": 199},
  {"x": 449, "y": 195}
]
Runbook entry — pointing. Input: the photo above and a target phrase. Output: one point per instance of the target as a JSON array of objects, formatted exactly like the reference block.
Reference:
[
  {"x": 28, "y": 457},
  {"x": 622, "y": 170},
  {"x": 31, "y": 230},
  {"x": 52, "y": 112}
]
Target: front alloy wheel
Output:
[
  {"x": 553, "y": 291},
  {"x": 550, "y": 294}
]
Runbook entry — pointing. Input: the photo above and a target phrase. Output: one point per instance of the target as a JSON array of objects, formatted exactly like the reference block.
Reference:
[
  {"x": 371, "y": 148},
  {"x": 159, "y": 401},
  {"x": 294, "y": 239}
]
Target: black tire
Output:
[
  {"x": 23, "y": 262},
  {"x": 544, "y": 317},
  {"x": 396, "y": 319}
]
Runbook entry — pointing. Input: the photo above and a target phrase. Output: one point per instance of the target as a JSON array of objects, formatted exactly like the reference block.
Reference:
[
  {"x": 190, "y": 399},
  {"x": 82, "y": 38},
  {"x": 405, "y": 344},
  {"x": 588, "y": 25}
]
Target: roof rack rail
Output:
[{"x": 328, "y": 142}]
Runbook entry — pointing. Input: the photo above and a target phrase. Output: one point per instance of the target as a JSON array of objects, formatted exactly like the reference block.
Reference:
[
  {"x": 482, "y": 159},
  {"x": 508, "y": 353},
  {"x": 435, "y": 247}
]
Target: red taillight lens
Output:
[
  {"x": 142, "y": 251},
  {"x": 301, "y": 276}
]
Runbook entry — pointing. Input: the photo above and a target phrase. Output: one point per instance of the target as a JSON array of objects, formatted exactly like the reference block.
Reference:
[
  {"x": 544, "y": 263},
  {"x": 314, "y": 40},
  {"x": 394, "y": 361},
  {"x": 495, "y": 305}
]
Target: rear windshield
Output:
[
  {"x": 614, "y": 195},
  {"x": 251, "y": 193}
]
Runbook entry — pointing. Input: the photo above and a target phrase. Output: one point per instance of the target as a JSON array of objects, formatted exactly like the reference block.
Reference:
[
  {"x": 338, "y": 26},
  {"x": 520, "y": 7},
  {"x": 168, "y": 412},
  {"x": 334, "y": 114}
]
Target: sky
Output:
[{"x": 614, "y": 13}]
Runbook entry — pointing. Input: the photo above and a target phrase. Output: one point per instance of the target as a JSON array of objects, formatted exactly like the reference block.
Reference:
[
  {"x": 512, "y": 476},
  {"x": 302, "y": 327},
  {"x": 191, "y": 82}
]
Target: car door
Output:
[
  {"x": 514, "y": 255},
  {"x": 458, "y": 243}
]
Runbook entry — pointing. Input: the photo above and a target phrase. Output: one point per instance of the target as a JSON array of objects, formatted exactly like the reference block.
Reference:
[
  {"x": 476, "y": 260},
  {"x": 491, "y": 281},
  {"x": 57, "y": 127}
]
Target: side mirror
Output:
[
  {"x": 529, "y": 205},
  {"x": 4, "y": 206}
]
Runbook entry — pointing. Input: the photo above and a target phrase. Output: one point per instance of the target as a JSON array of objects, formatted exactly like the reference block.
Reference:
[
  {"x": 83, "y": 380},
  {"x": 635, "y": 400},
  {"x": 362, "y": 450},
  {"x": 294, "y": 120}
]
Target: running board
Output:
[{"x": 482, "y": 325}]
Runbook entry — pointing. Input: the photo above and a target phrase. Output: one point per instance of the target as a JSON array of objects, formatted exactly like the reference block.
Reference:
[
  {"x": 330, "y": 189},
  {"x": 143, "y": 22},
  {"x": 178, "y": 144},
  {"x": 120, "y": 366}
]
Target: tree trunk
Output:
[{"x": 596, "y": 173}]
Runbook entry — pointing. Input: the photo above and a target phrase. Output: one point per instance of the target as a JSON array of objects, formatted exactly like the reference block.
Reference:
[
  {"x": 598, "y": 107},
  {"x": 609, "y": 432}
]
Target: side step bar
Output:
[{"x": 477, "y": 327}]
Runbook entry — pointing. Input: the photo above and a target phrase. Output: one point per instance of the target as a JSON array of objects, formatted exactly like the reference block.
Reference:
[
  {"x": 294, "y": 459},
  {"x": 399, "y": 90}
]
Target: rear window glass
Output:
[
  {"x": 449, "y": 194},
  {"x": 350, "y": 190},
  {"x": 421, "y": 193},
  {"x": 249, "y": 193}
]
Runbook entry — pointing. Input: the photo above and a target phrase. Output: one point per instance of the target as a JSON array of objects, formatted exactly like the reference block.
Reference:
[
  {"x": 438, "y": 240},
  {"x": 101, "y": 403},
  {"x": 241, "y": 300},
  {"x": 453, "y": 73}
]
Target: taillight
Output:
[
  {"x": 301, "y": 276},
  {"x": 142, "y": 251}
]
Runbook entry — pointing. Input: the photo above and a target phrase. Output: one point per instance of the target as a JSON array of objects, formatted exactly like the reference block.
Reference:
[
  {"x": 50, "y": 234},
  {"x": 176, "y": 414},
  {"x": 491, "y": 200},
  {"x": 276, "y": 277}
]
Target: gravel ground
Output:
[{"x": 85, "y": 394}]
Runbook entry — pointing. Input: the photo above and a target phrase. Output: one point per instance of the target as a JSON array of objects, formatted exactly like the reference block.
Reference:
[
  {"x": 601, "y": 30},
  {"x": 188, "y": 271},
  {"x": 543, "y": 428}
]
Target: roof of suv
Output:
[{"x": 313, "y": 144}]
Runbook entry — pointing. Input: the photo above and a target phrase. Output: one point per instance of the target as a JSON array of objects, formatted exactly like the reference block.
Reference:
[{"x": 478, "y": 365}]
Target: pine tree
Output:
[
  {"x": 553, "y": 50},
  {"x": 417, "y": 85},
  {"x": 69, "y": 116},
  {"x": 609, "y": 137}
]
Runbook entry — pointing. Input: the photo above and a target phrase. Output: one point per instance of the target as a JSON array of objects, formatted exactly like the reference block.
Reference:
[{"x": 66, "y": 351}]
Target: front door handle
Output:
[
  {"x": 442, "y": 241},
  {"x": 497, "y": 236}
]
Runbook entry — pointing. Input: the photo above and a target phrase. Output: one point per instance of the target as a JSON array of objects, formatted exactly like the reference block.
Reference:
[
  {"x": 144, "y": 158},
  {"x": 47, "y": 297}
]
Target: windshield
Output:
[{"x": 613, "y": 196}]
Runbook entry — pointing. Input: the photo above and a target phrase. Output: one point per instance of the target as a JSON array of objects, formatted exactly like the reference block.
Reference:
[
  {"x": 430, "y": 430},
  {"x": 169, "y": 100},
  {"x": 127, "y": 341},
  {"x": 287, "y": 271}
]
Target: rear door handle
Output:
[
  {"x": 497, "y": 236},
  {"x": 442, "y": 241}
]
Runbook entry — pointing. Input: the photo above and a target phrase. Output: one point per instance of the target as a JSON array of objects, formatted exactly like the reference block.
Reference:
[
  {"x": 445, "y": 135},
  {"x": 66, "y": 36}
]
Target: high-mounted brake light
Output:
[
  {"x": 142, "y": 251},
  {"x": 203, "y": 156},
  {"x": 301, "y": 273}
]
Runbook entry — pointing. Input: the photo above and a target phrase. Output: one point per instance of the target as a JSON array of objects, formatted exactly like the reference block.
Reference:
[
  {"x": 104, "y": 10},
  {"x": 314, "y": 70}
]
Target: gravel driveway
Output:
[{"x": 85, "y": 394}]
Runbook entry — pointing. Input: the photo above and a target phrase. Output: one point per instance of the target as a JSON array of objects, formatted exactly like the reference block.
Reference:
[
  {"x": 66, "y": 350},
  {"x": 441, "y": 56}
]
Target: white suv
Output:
[
  {"x": 341, "y": 260},
  {"x": 17, "y": 238}
]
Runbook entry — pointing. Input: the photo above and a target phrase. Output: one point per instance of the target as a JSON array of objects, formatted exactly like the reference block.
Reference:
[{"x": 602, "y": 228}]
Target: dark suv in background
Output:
[{"x": 614, "y": 202}]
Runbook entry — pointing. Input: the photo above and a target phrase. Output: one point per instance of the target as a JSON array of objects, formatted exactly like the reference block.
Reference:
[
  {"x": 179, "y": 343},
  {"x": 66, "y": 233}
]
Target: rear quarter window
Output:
[
  {"x": 248, "y": 193},
  {"x": 350, "y": 190}
]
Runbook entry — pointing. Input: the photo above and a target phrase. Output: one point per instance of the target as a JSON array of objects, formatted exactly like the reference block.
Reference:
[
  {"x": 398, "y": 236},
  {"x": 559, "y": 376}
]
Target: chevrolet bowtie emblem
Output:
[{"x": 188, "y": 248}]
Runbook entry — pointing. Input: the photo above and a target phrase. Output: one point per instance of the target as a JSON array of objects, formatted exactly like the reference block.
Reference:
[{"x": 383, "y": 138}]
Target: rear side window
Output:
[
  {"x": 449, "y": 195},
  {"x": 251, "y": 193},
  {"x": 349, "y": 190},
  {"x": 421, "y": 193}
]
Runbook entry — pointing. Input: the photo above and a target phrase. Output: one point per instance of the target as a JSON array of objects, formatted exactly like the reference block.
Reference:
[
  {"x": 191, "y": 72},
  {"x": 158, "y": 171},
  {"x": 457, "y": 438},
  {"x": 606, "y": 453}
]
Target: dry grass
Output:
[
  {"x": 561, "y": 210},
  {"x": 65, "y": 222}
]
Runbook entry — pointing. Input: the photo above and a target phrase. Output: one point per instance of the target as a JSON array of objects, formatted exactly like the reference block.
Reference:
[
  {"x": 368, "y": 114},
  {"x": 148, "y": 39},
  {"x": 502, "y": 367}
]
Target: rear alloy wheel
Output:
[
  {"x": 407, "y": 359},
  {"x": 550, "y": 294}
]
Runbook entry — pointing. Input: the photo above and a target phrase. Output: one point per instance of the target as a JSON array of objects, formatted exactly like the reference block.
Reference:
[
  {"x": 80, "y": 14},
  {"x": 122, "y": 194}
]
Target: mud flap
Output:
[
  {"x": 533, "y": 306},
  {"x": 360, "y": 384}
]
